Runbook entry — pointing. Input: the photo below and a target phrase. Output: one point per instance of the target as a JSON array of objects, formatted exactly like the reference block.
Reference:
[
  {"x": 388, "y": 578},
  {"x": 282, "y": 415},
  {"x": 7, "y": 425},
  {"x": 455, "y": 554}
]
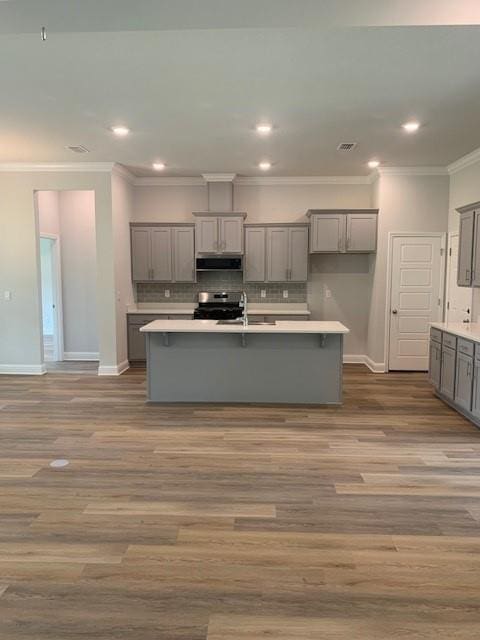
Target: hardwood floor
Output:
[{"x": 360, "y": 522}]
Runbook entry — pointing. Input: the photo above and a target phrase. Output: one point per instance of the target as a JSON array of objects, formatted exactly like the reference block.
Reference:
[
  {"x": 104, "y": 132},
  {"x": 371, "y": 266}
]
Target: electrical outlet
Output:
[
  {"x": 167, "y": 293},
  {"x": 263, "y": 293},
  {"x": 285, "y": 293},
  {"x": 7, "y": 295},
  {"x": 328, "y": 293}
]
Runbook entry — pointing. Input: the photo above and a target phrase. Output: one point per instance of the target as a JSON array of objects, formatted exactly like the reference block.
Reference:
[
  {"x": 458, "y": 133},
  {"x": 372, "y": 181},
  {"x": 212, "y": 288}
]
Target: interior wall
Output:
[
  {"x": 339, "y": 286},
  {"x": 20, "y": 316},
  {"x": 122, "y": 209},
  {"x": 465, "y": 189},
  {"x": 407, "y": 203}
]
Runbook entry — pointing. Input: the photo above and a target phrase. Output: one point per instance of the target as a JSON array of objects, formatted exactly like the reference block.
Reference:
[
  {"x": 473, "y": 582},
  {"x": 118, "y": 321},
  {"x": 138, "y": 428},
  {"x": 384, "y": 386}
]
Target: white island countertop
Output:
[
  {"x": 212, "y": 326},
  {"x": 468, "y": 330}
]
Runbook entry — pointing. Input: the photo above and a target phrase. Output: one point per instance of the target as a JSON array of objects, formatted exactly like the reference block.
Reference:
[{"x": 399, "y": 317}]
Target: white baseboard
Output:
[
  {"x": 23, "y": 369},
  {"x": 114, "y": 370},
  {"x": 376, "y": 367},
  {"x": 80, "y": 355}
]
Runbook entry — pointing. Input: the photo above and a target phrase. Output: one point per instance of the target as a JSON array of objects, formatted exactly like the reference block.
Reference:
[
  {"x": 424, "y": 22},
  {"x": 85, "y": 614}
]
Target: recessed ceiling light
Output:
[
  {"x": 158, "y": 166},
  {"x": 264, "y": 128},
  {"x": 411, "y": 127},
  {"x": 373, "y": 164},
  {"x": 121, "y": 131},
  {"x": 265, "y": 165}
]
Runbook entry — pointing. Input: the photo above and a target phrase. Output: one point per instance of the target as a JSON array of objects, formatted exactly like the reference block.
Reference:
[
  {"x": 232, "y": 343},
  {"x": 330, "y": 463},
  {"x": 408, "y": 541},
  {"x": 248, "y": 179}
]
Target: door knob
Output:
[{"x": 394, "y": 311}]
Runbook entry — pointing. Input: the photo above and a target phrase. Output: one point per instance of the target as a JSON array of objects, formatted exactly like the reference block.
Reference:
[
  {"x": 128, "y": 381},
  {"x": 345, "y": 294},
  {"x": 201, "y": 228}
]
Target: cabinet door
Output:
[
  {"x": 361, "y": 233},
  {"x": 298, "y": 249},
  {"x": 476, "y": 389},
  {"x": 476, "y": 252},
  {"x": 206, "y": 235},
  {"x": 277, "y": 254},
  {"x": 183, "y": 254},
  {"x": 328, "y": 233},
  {"x": 254, "y": 264},
  {"x": 447, "y": 376},
  {"x": 162, "y": 254},
  {"x": 434, "y": 367},
  {"x": 141, "y": 252},
  {"x": 231, "y": 235},
  {"x": 136, "y": 342},
  {"x": 463, "y": 381},
  {"x": 465, "y": 249}
]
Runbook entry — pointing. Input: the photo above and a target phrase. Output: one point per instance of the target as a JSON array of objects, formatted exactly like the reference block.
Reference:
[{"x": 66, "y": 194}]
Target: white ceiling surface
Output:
[{"x": 192, "y": 95}]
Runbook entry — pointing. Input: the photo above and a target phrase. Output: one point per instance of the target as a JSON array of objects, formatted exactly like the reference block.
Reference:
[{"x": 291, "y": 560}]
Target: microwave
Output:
[{"x": 219, "y": 263}]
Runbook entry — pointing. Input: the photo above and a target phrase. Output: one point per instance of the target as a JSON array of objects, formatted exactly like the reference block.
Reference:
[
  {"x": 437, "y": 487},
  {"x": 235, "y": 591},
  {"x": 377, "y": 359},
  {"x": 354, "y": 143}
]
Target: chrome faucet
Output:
[{"x": 245, "y": 309}]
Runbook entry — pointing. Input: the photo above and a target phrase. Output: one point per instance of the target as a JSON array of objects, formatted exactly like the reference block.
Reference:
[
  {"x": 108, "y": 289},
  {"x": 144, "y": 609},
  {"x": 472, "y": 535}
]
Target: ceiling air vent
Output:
[
  {"x": 78, "y": 148},
  {"x": 346, "y": 146}
]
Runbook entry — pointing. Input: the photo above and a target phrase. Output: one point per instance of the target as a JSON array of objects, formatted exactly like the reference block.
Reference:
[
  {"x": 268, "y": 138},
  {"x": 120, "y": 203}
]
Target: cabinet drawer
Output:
[
  {"x": 465, "y": 346},
  {"x": 449, "y": 341},
  {"x": 435, "y": 335},
  {"x": 179, "y": 316}
]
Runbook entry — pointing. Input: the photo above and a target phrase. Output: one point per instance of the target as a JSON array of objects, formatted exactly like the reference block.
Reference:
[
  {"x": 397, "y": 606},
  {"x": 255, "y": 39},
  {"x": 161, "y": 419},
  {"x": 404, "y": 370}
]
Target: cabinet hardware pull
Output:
[{"x": 467, "y": 274}]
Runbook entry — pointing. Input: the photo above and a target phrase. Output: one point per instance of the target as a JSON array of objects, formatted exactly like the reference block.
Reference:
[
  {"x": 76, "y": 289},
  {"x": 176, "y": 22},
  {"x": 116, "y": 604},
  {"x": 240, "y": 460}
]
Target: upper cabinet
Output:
[
  {"x": 468, "y": 274},
  {"x": 163, "y": 253},
  {"x": 219, "y": 233},
  {"x": 276, "y": 253},
  {"x": 341, "y": 231}
]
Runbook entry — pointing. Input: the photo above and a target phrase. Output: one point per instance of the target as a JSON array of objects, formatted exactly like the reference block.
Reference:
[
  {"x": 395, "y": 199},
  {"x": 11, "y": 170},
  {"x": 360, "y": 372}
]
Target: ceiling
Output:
[{"x": 192, "y": 78}]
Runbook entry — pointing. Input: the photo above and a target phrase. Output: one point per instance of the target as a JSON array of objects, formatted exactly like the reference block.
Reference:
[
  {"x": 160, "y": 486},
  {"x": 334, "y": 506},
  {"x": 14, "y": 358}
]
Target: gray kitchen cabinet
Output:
[
  {"x": 465, "y": 249},
  {"x": 219, "y": 234},
  {"x": 447, "y": 375},
  {"x": 476, "y": 389},
  {"x": 141, "y": 254},
  {"x": 434, "y": 369},
  {"x": 476, "y": 251},
  {"x": 463, "y": 381},
  {"x": 286, "y": 318},
  {"x": 254, "y": 261},
  {"x": 342, "y": 231},
  {"x": 298, "y": 254},
  {"x": 162, "y": 253},
  {"x": 136, "y": 339},
  {"x": 361, "y": 233},
  {"x": 183, "y": 254},
  {"x": 287, "y": 253},
  {"x": 327, "y": 234},
  {"x": 277, "y": 254}
]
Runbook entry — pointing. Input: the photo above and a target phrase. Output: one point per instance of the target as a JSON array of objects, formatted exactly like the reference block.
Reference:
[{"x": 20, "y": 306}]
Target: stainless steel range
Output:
[{"x": 221, "y": 305}]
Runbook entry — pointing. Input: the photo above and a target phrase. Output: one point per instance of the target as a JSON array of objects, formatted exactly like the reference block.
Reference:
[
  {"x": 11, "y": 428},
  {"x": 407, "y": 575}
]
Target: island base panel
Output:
[{"x": 258, "y": 368}]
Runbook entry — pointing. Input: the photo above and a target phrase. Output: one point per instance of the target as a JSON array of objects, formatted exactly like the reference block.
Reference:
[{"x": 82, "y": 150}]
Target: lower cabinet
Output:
[
  {"x": 447, "y": 375},
  {"x": 137, "y": 354},
  {"x": 434, "y": 369},
  {"x": 476, "y": 389},
  {"x": 464, "y": 381}
]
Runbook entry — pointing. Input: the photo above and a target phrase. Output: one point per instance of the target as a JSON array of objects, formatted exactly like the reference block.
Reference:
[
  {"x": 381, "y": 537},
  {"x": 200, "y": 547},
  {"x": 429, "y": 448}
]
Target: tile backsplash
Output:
[{"x": 221, "y": 281}]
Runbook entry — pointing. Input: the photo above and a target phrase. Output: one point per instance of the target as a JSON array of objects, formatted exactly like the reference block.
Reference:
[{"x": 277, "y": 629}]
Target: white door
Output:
[
  {"x": 416, "y": 299},
  {"x": 459, "y": 299}
]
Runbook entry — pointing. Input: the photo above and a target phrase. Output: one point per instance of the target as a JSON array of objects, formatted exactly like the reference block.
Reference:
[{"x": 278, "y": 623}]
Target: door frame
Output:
[
  {"x": 447, "y": 276},
  {"x": 407, "y": 234},
  {"x": 58, "y": 344}
]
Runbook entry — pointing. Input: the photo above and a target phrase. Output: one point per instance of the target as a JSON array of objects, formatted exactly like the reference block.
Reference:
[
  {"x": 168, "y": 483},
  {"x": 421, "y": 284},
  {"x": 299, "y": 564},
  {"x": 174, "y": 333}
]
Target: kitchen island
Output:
[{"x": 209, "y": 361}]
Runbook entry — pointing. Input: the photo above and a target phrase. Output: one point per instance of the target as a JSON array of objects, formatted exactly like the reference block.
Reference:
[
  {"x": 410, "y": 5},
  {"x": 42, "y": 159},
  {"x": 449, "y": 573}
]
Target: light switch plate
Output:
[
  {"x": 263, "y": 293},
  {"x": 167, "y": 293},
  {"x": 285, "y": 293},
  {"x": 7, "y": 295}
]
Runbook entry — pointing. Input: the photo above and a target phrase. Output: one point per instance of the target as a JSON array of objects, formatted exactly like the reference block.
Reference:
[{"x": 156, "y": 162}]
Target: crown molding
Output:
[
  {"x": 60, "y": 167},
  {"x": 464, "y": 161},
  {"x": 219, "y": 177},
  {"x": 170, "y": 182},
  {"x": 300, "y": 180},
  {"x": 412, "y": 171},
  {"x": 124, "y": 173}
]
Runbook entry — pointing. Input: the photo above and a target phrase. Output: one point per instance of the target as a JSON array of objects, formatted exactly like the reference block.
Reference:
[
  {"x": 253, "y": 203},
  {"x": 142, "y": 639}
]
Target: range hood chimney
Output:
[{"x": 220, "y": 192}]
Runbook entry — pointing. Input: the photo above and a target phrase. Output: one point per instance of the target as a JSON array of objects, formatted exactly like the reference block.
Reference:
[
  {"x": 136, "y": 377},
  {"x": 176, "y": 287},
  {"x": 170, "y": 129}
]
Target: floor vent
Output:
[{"x": 346, "y": 146}]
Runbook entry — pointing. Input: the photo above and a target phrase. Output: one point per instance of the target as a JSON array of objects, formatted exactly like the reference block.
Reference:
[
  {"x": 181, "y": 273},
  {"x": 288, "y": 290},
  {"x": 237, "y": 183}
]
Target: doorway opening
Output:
[
  {"x": 459, "y": 299},
  {"x": 68, "y": 270}
]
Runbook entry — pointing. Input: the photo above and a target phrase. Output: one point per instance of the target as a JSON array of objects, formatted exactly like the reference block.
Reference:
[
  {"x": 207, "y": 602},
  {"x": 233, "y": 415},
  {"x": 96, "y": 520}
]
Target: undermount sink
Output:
[{"x": 250, "y": 322}]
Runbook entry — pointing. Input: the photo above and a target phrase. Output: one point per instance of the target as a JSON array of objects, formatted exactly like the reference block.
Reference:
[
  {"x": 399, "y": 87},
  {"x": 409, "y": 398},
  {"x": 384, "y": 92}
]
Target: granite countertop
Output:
[
  {"x": 211, "y": 326},
  {"x": 292, "y": 309},
  {"x": 468, "y": 330}
]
